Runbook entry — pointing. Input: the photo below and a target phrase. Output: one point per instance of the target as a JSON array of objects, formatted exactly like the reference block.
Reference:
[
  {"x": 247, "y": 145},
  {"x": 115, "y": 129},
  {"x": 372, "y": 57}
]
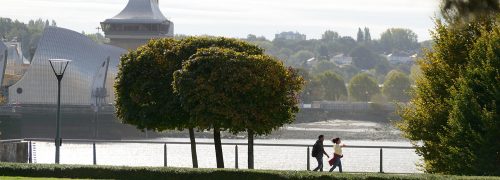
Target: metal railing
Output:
[{"x": 165, "y": 143}]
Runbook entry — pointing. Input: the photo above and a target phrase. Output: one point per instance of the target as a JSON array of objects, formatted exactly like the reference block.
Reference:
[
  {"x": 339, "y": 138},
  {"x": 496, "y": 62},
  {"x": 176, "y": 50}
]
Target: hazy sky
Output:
[{"x": 237, "y": 18}]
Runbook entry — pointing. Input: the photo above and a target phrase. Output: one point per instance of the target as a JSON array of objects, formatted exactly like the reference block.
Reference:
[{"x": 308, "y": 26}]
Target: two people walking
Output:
[{"x": 318, "y": 151}]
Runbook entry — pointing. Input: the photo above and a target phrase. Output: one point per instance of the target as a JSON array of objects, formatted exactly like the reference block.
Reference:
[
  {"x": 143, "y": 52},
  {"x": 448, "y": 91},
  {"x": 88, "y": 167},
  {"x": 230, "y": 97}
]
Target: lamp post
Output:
[{"x": 59, "y": 67}]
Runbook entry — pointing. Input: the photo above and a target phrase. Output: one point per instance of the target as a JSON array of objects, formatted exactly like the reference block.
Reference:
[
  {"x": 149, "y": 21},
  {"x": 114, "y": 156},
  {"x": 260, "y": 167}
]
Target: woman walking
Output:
[{"x": 337, "y": 155}]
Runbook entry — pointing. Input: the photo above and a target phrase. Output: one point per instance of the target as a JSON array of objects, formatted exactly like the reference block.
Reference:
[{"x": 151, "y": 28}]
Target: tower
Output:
[{"x": 140, "y": 21}]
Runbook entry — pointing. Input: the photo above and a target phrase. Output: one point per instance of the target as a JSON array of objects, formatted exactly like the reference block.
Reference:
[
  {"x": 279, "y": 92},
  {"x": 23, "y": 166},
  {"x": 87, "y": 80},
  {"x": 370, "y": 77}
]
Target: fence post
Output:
[
  {"x": 30, "y": 153},
  {"x": 308, "y": 160},
  {"x": 381, "y": 161},
  {"x": 236, "y": 157},
  {"x": 165, "y": 154},
  {"x": 94, "y": 153}
]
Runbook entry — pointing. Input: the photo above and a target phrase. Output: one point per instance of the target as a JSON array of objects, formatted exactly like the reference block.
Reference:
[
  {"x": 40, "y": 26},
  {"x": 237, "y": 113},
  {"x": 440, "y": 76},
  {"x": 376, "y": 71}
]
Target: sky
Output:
[{"x": 238, "y": 18}]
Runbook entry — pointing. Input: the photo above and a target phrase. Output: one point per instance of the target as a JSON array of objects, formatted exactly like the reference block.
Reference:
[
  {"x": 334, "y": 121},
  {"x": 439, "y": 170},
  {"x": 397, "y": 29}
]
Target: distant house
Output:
[
  {"x": 311, "y": 62},
  {"x": 341, "y": 59},
  {"x": 401, "y": 58},
  {"x": 290, "y": 36}
]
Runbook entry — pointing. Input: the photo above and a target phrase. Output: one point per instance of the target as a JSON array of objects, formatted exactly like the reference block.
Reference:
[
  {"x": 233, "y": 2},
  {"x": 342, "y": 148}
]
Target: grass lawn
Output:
[
  {"x": 23, "y": 178},
  {"x": 26, "y": 171}
]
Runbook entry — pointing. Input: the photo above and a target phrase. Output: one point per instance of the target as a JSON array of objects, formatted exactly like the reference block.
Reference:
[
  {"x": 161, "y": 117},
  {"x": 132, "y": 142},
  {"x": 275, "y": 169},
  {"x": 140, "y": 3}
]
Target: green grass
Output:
[
  {"x": 19, "y": 178},
  {"x": 119, "y": 172}
]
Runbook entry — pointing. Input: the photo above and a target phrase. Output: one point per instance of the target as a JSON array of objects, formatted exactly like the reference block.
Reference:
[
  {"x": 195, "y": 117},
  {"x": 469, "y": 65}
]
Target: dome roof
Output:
[{"x": 139, "y": 11}]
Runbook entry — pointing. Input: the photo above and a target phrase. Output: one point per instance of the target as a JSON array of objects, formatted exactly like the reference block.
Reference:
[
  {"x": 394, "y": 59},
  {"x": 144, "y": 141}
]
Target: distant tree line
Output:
[
  {"x": 326, "y": 80},
  {"x": 27, "y": 34}
]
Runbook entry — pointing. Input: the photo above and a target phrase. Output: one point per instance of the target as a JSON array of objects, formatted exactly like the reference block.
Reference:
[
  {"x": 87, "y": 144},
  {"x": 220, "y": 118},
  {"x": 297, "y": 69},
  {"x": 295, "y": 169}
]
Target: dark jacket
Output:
[{"x": 318, "y": 149}]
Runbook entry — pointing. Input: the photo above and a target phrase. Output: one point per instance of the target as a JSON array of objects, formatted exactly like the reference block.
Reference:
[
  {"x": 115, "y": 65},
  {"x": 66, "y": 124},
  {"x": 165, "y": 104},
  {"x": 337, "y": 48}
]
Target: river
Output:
[{"x": 278, "y": 158}]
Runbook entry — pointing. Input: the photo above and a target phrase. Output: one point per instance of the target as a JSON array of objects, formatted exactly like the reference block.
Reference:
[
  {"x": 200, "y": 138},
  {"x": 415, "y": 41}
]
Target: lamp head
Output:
[{"x": 59, "y": 66}]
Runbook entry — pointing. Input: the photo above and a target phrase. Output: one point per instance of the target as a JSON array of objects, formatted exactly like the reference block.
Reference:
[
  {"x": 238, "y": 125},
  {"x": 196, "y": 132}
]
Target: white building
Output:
[
  {"x": 401, "y": 58},
  {"x": 341, "y": 59}
]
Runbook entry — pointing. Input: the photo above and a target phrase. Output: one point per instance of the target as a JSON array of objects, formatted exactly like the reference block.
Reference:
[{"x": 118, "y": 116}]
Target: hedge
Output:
[{"x": 121, "y": 172}]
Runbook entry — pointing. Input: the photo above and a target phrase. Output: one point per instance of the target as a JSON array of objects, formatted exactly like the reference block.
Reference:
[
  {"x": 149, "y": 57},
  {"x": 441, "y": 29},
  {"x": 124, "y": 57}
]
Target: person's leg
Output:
[
  {"x": 335, "y": 164},
  {"x": 340, "y": 165},
  {"x": 320, "y": 163}
]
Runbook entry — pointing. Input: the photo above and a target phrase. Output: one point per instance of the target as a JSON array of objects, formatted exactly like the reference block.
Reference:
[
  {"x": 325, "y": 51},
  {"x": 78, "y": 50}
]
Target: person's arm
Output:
[{"x": 324, "y": 152}]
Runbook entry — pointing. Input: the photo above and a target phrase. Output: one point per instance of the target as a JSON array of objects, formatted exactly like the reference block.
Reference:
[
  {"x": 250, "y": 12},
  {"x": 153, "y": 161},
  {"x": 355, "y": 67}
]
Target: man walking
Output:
[{"x": 318, "y": 152}]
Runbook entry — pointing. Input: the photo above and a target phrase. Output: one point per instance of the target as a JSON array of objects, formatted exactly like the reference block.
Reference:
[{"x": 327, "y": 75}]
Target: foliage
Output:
[
  {"x": 475, "y": 113},
  {"x": 324, "y": 66},
  {"x": 329, "y": 36},
  {"x": 236, "y": 91},
  {"x": 313, "y": 89},
  {"x": 28, "y": 34},
  {"x": 144, "y": 95},
  {"x": 299, "y": 58},
  {"x": 364, "y": 58},
  {"x": 454, "y": 112},
  {"x": 396, "y": 86},
  {"x": 2, "y": 100},
  {"x": 223, "y": 89},
  {"x": 368, "y": 36},
  {"x": 457, "y": 11},
  {"x": 144, "y": 91},
  {"x": 360, "y": 37},
  {"x": 362, "y": 87},
  {"x": 334, "y": 86},
  {"x": 97, "y": 37},
  {"x": 121, "y": 172},
  {"x": 398, "y": 39}
]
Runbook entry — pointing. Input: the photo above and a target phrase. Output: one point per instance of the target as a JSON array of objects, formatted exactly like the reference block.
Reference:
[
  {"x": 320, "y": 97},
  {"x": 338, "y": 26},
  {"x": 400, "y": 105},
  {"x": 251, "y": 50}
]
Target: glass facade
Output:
[{"x": 39, "y": 84}]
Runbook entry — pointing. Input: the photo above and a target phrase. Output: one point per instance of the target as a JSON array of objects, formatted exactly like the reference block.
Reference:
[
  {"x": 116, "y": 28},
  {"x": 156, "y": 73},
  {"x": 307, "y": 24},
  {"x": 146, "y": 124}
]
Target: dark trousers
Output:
[{"x": 320, "y": 164}]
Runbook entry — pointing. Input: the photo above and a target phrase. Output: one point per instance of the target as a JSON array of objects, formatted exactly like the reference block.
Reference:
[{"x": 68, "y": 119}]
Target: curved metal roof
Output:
[
  {"x": 139, "y": 11},
  {"x": 39, "y": 86}
]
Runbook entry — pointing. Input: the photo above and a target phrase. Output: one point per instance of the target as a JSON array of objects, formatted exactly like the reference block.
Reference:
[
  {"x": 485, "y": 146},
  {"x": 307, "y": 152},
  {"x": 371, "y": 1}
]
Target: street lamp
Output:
[{"x": 59, "y": 67}]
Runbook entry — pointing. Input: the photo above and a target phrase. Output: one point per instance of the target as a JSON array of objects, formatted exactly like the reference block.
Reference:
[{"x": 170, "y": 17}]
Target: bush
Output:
[{"x": 117, "y": 172}]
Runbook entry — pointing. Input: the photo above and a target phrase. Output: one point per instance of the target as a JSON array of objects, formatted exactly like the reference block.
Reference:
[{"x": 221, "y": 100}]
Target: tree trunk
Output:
[
  {"x": 194, "y": 156},
  {"x": 250, "y": 149},
  {"x": 218, "y": 148}
]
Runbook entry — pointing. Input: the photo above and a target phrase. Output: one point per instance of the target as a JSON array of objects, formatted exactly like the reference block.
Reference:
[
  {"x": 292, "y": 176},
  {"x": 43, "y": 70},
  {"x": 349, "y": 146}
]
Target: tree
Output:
[
  {"x": 360, "y": 37},
  {"x": 299, "y": 58},
  {"x": 329, "y": 36},
  {"x": 382, "y": 67},
  {"x": 362, "y": 87},
  {"x": 398, "y": 39},
  {"x": 368, "y": 37},
  {"x": 313, "y": 90},
  {"x": 454, "y": 111},
  {"x": 251, "y": 37},
  {"x": 98, "y": 38},
  {"x": 364, "y": 58},
  {"x": 323, "y": 66},
  {"x": 225, "y": 89},
  {"x": 457, "y": 11},
  {"x": 334, "y": 86},
  {"x": 144, "y": 93},
  {"x": 396, "y": 86},
  {"x": 323, "y": 52}
]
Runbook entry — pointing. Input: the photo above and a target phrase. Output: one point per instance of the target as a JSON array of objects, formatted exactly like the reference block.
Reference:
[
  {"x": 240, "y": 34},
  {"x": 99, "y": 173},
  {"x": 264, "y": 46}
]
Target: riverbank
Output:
[
  {"x": 346, "y": 129},
  {"x": 119, "y": 172}
]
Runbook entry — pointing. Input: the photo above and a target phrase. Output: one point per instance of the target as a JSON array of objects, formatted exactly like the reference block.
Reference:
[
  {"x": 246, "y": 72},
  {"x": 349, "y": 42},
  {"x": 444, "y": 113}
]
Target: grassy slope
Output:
[{"x": 115, "y": 172}]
